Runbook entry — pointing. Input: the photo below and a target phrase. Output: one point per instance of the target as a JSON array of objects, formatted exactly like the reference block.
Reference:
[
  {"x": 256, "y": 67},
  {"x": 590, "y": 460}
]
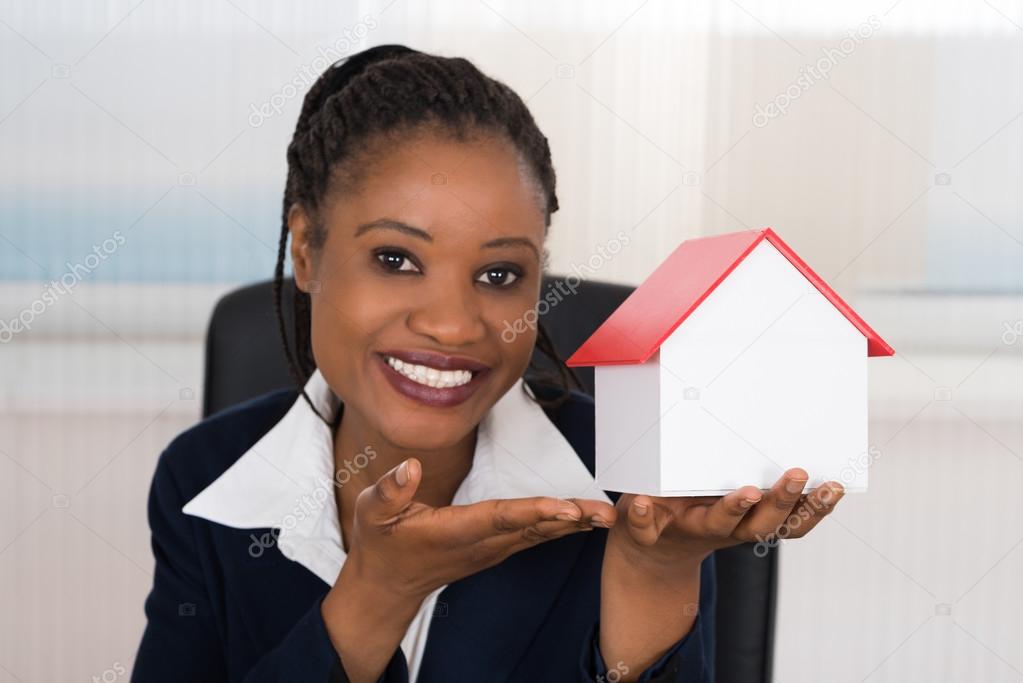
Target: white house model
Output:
[{"x": 731, "y": 363}]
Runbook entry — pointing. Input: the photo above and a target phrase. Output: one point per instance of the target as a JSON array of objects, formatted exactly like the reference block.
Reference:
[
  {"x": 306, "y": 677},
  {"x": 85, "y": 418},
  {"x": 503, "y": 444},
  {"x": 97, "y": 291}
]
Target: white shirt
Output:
[{"x": 285, "y": 482}]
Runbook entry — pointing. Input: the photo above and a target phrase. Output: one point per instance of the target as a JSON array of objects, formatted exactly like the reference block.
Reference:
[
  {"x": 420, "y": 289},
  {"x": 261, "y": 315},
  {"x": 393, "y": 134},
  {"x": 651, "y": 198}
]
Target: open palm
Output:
[{"x": 667, "y": 528}]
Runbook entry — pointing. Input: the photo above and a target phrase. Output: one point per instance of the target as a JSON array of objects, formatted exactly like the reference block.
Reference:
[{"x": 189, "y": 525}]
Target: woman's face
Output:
[{"x": 422, "y": 272}]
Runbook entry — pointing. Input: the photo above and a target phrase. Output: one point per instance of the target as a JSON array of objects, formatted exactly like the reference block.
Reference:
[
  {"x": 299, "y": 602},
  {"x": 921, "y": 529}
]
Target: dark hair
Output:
[{"x": 383, "y": 93}]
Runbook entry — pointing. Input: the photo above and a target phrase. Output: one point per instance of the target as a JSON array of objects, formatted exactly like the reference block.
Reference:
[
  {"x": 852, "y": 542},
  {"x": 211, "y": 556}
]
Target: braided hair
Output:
[{"x": 391, "y": 90}]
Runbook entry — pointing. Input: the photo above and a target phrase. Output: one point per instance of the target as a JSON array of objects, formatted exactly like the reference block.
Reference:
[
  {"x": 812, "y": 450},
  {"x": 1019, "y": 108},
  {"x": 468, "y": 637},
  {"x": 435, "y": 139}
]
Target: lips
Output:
[{"x": 435, "y": 396}]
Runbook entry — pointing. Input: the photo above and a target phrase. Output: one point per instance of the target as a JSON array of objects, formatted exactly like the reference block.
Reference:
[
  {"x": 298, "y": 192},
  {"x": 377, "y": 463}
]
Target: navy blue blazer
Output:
[{"x": 216, "y": 613}]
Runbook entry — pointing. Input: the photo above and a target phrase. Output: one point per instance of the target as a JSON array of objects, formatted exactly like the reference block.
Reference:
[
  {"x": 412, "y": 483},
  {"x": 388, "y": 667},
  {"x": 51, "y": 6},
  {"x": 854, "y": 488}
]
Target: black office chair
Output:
[{"x": 244, "y": 359}]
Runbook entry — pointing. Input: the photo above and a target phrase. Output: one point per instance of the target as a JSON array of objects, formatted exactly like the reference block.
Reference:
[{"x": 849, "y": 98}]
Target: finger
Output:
[
  {"x": 641, "y": 521},
  {"x": 596, "y": 512},
  {"x": 503, "y": 545},
  {"x": 767, "y": 515},
  {"x": 392, "y": 493},
  {"x": 505, "y": 516},
  {"x": 721, "y": 519},
  {"x": 819, "y": 504}
]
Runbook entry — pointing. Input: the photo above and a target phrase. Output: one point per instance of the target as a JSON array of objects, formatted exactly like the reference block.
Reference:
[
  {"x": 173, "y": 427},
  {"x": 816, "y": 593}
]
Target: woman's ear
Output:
[{"x": 299, "y": 223}]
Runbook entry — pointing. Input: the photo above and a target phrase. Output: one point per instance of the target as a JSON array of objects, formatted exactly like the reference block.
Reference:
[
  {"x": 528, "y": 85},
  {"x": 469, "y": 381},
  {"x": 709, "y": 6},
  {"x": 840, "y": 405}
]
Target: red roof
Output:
[{"x": 664, "y": 300}]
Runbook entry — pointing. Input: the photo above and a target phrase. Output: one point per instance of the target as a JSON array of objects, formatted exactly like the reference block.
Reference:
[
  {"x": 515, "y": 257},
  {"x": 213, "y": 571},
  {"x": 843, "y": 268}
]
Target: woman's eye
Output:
[
  {"x": 498, "y": 277},
  {"x": 396, "y": 261},
  {"x": 400, "y": 262}
]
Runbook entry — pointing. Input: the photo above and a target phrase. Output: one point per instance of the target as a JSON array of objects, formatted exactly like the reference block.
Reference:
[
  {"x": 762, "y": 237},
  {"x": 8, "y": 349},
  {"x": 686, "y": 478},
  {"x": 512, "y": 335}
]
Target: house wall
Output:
[
  {"x": 627, "y": 417},
  {"x": 765, "y": 375}
]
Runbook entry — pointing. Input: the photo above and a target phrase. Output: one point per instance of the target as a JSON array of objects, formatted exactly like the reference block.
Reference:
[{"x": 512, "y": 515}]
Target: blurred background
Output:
[{"x": 143, "y": 147}]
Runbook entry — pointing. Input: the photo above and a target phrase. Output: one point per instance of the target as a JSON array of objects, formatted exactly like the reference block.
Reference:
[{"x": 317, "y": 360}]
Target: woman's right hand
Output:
[{"x": 402, "y": 550}]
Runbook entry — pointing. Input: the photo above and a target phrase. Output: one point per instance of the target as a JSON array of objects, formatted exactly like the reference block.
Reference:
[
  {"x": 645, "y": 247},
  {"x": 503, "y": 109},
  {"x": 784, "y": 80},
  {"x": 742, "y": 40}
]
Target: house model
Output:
[{"x": 731, "y": 363}]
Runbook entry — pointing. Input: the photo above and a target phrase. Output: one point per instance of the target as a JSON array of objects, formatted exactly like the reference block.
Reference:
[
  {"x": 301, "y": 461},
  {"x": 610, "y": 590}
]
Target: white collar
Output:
[{"x": 284, "y": 481}]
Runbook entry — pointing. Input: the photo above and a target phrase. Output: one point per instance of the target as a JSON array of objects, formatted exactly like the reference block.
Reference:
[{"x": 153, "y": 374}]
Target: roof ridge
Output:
[{"x": 638, "y": 327}]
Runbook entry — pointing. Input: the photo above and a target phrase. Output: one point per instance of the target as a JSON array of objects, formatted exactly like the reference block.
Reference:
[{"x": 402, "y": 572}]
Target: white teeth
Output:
[{"x": 431, "y": 377}]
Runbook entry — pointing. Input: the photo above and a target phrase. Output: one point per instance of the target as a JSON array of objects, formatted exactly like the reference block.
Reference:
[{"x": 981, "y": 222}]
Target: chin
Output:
[{"x": 428, "y": 434}]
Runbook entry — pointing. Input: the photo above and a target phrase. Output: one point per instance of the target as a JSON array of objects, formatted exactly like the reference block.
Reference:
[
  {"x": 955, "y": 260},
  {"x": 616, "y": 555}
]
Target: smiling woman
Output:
[
  {"x": 418, "y": 200},
  {"x": 409, "y": 266},
  {"x": 393, "y": 130}
]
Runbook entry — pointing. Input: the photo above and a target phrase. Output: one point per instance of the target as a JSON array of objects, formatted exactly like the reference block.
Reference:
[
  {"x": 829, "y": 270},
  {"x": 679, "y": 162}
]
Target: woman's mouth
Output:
[{"x": 432, "y": 379}]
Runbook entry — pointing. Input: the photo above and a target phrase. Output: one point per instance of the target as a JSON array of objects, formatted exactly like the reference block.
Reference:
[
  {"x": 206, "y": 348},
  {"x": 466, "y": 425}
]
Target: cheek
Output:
[
  {"x": 514, "y": 324},
  {"x": 346, "y": 320}
]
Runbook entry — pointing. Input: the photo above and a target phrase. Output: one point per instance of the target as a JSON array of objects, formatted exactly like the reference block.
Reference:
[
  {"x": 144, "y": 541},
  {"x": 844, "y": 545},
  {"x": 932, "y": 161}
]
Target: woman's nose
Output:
[{"x": 449, "y": 315}]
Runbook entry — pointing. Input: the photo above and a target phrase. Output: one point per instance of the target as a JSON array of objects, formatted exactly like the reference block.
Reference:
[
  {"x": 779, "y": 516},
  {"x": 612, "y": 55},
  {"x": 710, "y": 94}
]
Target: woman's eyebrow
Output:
[
  {"x": 412, "y": 231},
  {"x": 391, "y": 224},
  {"x": 511, "y": 242}
]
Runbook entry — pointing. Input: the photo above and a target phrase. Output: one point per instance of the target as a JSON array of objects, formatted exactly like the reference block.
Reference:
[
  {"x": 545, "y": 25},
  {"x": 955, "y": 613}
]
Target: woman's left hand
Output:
[
  {"x": 665, "y": 531},
  {"x": 650, "y": 580}
]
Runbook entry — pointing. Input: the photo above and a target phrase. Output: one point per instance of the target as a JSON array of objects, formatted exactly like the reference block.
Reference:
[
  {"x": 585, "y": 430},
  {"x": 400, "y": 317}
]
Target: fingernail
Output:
[
  {"x": 597, "y": 521},
  {"x": 795, "y": 485},
  {"x": 641, "y": 510},
  {"x": 747, "y": 503},
  {"x": 568, "y": 511},
  {"x": 831, "y": 496},
  {"x": 401, "y": 476}
]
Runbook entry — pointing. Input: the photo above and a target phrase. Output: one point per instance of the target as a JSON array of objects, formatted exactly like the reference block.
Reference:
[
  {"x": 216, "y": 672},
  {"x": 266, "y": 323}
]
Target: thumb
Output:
[
  {"x": 641, "y": 521},
  {"x": 392, "y": 492}
]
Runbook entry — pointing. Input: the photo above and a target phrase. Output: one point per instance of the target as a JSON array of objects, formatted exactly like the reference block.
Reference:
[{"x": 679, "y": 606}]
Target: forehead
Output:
[{"x": 453, "y": 189}]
